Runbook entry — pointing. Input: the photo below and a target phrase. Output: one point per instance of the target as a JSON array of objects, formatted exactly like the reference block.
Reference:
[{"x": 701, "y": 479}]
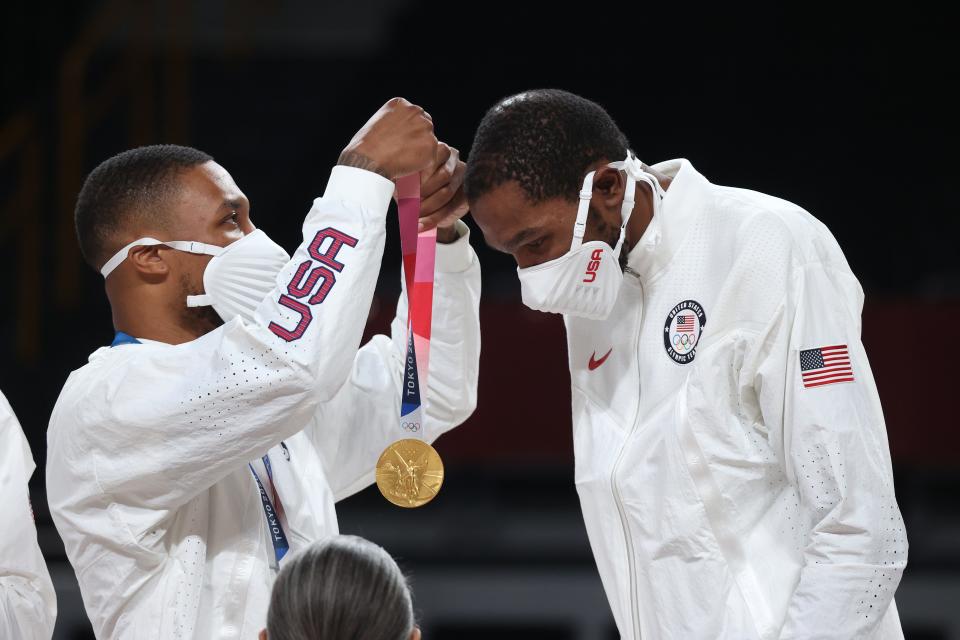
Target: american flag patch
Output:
[
  {"x": 684, "y": 324},
  {"x": 825, "y": 365}
]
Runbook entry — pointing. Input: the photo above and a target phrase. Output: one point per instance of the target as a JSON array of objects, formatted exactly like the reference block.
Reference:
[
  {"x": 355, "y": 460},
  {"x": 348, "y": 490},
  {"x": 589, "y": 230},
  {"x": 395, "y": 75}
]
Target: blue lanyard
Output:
[
  {"x": 277, "y": 535},
  {"x": 280, "y": 544},
  {"x": 123, "y": 338}
]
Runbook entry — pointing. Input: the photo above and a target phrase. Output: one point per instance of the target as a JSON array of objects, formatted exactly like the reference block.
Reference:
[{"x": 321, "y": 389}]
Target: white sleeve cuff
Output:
[
  {"x": 366, "y": 188},
  {"x": 458, "y": 255}
]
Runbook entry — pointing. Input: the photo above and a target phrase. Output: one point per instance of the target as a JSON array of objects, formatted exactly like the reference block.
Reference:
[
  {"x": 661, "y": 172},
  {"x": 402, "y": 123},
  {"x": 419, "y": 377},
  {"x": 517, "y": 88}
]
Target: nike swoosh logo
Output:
[{"x": 594, "y": 363}]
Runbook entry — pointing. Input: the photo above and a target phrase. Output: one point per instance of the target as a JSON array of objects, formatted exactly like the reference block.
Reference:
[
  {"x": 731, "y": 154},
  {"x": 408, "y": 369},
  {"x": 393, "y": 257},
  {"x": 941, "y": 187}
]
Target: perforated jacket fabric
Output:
[
  {"x": 149, "y": 443},
  {"x": 28, "y": 604},
  {"x": 731, "y": 490}
]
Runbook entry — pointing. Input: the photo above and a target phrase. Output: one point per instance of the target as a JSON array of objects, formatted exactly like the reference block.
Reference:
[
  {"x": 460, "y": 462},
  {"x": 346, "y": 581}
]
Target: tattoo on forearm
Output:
[{"x": 360, "y": 161}]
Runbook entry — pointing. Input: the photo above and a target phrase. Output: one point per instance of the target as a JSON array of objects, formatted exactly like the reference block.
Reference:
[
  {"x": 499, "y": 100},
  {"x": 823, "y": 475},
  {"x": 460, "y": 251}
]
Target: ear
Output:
[
  {"x": 608, "y": 188},
  {"x": 263, "y": 634},
  {"x": 149, "y": 260},
  {"x": 414, "y": 635}
]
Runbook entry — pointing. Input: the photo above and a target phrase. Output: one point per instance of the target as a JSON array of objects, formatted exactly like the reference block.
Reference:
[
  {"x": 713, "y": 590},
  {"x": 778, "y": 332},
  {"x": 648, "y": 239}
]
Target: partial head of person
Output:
[
  {"x": 163, "y": 225},
  {"x": 341, "y": 588},
  {"x": 552, "y": 181}
]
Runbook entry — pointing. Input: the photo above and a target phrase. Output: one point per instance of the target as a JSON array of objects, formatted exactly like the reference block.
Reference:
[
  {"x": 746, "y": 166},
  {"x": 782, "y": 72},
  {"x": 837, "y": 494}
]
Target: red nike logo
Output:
[{"x": 594, "y": 363}]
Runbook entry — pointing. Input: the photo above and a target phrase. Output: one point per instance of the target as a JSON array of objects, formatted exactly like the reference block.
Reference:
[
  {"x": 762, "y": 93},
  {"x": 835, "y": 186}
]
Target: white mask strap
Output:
[
  {"x": 633, "y": 167},
  {"x": 634, "y": 170},
  {"x": 202, "y": 300},
  {"x": 180, "y": 245},
  {"x": 625, "y": 210},
  {"x": 628, "y": 200},
  {"x": 583, "y": 209},
  {"x": 121, "y": 255}
]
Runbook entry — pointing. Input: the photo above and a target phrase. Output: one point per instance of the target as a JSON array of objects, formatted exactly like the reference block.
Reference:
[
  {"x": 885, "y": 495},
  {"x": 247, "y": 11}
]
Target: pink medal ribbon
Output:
[{"x": 419, "y": 254}]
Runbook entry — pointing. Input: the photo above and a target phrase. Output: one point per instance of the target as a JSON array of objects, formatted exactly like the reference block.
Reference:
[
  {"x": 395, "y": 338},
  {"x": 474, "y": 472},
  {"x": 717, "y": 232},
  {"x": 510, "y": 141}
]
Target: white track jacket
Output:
[
  {"x": 28, "y": 605},
  {"x": 149, "y": 444},
  {"x": 740, "y": 488}
]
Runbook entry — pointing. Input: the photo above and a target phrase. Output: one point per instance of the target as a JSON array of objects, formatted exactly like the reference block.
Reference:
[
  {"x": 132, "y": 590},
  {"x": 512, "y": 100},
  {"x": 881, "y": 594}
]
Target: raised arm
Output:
[
  {"x": 352, "y": 430},
  {"x": 166, "y": 422}
]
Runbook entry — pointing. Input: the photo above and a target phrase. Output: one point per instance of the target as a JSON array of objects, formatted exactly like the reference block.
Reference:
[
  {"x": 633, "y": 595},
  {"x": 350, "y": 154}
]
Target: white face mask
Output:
[
  {"x": 586, "y": 280},
  {"x": 237, "y": 278}
]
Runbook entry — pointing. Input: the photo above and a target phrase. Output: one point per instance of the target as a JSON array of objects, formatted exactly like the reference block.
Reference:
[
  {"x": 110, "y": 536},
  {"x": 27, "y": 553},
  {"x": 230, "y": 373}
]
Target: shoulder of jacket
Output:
[
  {"x": 85, "y": 387},
  {"x": 781, "y": 226}
]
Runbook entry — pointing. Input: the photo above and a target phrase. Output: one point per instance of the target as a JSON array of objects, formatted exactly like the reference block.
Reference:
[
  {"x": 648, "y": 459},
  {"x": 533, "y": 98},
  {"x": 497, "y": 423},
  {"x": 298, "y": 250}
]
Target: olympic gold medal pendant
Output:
[{"x": 409, "y": 473}]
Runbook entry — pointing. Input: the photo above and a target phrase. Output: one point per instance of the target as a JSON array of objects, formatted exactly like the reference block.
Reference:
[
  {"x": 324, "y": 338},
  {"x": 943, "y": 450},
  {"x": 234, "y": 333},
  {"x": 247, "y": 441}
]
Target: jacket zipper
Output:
[{"x": 634, "y": 612}]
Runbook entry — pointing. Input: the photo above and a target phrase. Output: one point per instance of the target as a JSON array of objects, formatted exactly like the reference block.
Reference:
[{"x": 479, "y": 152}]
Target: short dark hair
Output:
[
  {"x": 544, "y": 140},
  {"x": 341, "y": 588},
  {"x": 129, "y": 187}
]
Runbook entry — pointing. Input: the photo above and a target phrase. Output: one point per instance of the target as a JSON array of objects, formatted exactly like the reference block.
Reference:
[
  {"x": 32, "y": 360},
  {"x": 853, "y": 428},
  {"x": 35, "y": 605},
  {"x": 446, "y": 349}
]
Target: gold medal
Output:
[{"x": 409, "y": 473}]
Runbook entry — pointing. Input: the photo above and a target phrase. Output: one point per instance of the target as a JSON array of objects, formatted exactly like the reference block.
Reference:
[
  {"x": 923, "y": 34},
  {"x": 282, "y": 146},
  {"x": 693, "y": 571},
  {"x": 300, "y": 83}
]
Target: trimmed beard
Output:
[
  {"x": 202, "y": 320},
  {"x": 601, "y": 230}
]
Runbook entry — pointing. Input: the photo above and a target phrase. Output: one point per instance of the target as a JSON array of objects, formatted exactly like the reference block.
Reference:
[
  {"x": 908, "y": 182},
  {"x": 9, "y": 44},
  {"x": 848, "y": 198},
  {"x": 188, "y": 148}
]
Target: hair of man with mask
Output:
[
  {"x": 526, "y": 168},
  {"x": 131, "y": 189},
  {"x": 544, "y": 140}
]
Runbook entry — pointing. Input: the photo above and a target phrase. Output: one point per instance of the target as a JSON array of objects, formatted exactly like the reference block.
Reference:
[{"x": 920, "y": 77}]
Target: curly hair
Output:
[{"x": 544, "y": 140}]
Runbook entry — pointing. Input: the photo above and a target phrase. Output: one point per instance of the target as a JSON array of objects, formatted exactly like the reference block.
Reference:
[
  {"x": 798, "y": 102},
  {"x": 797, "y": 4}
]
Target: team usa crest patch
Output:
[
  {"x": 825, "y": 365},
  {"x": 682, "y": 331}
]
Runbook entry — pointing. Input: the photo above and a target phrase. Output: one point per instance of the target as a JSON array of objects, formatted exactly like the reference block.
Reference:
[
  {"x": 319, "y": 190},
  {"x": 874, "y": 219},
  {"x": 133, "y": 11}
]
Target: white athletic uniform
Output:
[
  {"x": 741, "y": 488},
  {"x": 149, "y": 444},
  {"x": 28, "y": 604}
]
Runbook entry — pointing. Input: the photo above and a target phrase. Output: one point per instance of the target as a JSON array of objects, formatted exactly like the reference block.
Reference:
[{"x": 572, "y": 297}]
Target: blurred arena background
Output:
[{"x": 849, "y": 114}]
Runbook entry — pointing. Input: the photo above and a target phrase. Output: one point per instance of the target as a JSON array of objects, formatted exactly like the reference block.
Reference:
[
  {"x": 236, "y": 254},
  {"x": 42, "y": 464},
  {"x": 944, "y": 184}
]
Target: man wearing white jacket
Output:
[
  {"x": 28, "y": 604},
  {"x": 731, "y": 455},
  {"x": 186, "y": 460}
]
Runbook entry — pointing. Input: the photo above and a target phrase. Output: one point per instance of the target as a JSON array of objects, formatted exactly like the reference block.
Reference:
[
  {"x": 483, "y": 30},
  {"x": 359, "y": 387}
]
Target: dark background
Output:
[{"x": 850, "y": 114}]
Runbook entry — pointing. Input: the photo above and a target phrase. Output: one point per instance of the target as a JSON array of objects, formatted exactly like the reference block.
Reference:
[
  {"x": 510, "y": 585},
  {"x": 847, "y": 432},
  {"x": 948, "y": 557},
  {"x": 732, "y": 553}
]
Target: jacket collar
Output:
[{"x": 682, "y": 205}]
